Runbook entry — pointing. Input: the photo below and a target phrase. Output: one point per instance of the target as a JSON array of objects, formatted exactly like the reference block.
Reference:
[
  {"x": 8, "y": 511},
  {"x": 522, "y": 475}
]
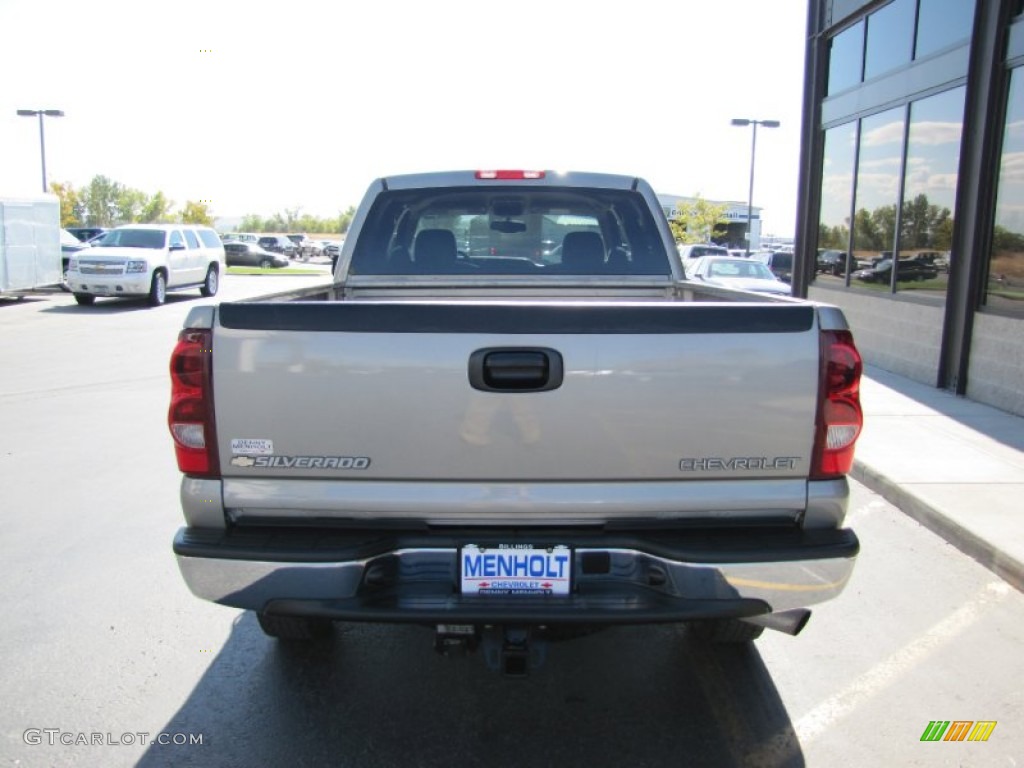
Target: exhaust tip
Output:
[{"x": 791, "y": 622}]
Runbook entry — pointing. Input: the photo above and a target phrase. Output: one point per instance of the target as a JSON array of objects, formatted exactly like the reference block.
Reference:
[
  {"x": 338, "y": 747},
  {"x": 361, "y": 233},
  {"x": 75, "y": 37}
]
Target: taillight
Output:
[
  {"x": 839, "y": 414},
  {"x": 190, "y": 416},
  {"x": 510, "y": 175}
]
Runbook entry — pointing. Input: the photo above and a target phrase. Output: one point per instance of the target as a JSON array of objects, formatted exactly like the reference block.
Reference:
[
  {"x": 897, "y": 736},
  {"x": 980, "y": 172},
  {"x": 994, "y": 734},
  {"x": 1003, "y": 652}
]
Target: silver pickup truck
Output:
[{"x": 511, "y": 418}]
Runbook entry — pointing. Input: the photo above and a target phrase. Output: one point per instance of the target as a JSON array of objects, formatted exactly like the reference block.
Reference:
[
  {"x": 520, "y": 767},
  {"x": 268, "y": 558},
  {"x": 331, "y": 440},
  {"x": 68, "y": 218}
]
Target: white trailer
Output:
[{"x": 30, "y": 255}]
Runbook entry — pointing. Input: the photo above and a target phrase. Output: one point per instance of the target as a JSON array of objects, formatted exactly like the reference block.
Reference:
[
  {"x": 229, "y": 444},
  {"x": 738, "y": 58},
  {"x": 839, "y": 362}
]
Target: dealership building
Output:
[
  {"x": 913, "y": 147},
  {"x": 734, "y": 220}
]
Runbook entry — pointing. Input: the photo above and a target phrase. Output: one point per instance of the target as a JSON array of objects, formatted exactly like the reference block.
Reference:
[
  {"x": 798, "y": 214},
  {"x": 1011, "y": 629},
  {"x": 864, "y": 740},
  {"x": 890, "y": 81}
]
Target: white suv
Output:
[
  {"x": 148, "y": 260},
  {"x": 701, "y": 249}
]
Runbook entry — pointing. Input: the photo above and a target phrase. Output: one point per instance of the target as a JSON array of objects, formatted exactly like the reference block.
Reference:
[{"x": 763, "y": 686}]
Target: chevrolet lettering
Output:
[
  {"x": 714, "y": 464},
  {"x": 566, "y": 433}
]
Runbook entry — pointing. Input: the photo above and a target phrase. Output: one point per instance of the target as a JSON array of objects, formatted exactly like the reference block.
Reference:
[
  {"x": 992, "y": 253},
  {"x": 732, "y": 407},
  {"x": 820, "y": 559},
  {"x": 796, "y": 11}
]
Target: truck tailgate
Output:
[{"x": 383, "y": 391}]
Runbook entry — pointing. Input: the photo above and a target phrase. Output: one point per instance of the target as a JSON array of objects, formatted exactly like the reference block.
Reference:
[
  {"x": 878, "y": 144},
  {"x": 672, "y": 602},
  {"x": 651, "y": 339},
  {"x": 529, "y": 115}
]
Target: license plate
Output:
[{"x": 511, "y": 571}]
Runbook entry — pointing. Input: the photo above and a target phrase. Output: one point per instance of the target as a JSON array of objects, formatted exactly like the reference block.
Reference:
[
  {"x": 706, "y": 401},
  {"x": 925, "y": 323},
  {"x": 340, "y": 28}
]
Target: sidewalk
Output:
[{"x": 952, "y": 464}]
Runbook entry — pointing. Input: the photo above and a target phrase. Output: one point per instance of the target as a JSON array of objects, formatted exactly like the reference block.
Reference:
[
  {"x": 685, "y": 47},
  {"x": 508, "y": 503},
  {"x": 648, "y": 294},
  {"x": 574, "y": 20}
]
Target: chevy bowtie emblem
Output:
[{"x": 242, "y": 461}]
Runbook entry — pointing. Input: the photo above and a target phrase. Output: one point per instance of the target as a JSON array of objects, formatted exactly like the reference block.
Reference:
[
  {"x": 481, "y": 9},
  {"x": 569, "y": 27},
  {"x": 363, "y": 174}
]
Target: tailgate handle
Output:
[{"x": 525, "y": 369}]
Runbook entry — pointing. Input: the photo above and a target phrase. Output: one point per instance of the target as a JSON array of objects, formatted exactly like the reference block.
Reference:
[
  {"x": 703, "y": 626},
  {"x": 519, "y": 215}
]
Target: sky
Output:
[{"x": 258, "y": 107}]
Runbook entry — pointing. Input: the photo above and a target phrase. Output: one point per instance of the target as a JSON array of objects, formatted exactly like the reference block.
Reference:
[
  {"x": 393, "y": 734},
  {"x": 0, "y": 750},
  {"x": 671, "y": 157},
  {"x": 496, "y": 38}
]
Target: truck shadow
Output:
[{"x": 378, "y": 695}]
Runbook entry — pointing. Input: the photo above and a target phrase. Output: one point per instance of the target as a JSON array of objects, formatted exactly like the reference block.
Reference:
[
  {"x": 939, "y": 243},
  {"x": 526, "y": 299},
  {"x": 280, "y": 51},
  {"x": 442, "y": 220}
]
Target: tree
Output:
[
  {"x": 836, "y": 237},
  {"x": 291, "y": 219},
  {"x": 345, "y": 219},
  {"x": 866, "y": 236},
  {"x": 251, "y": 222},
  {"x": 924, "y": 225},
  {"x": 130, "y": 203},
  {"x": 884, "y": 220},
  {"x": 106, "y": 203},
  {"x": 943, "y": 239},
  {"x": 100, "y": 199},
  {"x": 157, "y": 208},
  {"x": 70, "y": 204},
  {"x": 697, "y": 221},
  {"x": 196, "y": 213},
  {"x": 1004, "y": 239}
]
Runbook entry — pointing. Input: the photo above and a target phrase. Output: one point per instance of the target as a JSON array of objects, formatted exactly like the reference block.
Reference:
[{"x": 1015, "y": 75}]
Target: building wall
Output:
[
  {"x": 994, "y": 375},
  {"x": 926, "y": 96},
  {"x": 904, "y": 337}
]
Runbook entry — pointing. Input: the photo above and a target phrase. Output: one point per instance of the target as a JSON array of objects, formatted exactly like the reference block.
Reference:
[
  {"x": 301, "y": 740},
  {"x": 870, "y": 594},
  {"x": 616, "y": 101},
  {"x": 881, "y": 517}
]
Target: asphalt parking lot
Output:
[{"x": 102, "y": 637}]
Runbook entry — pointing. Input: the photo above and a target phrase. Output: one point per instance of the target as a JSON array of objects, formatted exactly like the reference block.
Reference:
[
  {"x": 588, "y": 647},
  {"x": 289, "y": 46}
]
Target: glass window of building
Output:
[
  {"x": 1005, "y": 286},
  {"x": 890, "y": 38},
  {"x": 836, "y": 203},
  {"x": 877, "y": 191},
  {"x": 941, "y": 23},
  {"x": 846, "y": 58},
  {"x": 929, "y": 193}
]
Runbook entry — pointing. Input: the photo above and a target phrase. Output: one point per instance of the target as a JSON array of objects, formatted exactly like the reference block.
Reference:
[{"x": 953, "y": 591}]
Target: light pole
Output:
[
  {"x": 743, "y": 122},
  {"x": 42, "y": 141}
]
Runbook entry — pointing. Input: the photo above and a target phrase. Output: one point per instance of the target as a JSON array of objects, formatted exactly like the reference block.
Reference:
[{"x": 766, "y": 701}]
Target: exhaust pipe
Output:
[{"x": 791, "y": 622}]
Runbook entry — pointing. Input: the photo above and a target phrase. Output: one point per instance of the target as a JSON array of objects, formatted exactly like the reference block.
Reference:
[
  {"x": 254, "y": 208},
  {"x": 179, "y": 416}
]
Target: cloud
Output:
[
  {"x": 934, "y": 133},
  {"x": 890, "y": 133},
  {"x": 881, "y": 164},
  {"x": 1012, "y": 169},
  {"x": 875, "y": 189},
  {"x": 1015, "y": 130}
]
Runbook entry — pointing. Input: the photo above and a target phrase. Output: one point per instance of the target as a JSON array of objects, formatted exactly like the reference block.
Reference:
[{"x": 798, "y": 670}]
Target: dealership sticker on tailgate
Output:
[
  {"x": 515, "y": 570},
  {"x": 252, "y": 446}
]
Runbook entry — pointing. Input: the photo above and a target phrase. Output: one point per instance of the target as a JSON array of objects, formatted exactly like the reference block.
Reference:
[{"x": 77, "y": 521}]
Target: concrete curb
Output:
[{"x": 985, "y": 552}]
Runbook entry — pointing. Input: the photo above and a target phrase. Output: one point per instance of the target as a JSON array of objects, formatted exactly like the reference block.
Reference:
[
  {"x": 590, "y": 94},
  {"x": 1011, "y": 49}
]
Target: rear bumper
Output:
[{"x": 633, "y": 578}]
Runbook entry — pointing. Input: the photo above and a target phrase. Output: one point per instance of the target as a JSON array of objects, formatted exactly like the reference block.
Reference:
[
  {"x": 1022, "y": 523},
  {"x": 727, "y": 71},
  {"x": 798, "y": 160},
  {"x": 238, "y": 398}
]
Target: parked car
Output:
[
  {"x": 694, "y": 251},
  {"x": 245, "y": 237},
  {"x": 69, "y": 246},
  {"x": 906, "y": 270},
  {"x": 85, "y": 234},
  {"x": 333, "y": 251},
  {"x": 933, "y": 258},
  {"x": 243, "y": 254},
  {"x": 779, "y": 262},
  {"x": 277, "y": 244},
  {"x": 740, "y": 273},
  {"x": 513, "y": 469},
  {"x": 831, "y": 261},
  {"x": 305, "y": 249},
  {"x": 148, "y": 260}
]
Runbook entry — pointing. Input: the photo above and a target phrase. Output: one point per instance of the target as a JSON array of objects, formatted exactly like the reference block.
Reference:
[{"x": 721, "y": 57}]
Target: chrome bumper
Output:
[{"x": 648, "y": 580}]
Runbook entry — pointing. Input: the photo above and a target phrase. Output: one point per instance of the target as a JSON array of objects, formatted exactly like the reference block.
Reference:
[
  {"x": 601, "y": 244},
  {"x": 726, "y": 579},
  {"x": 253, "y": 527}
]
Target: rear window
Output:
[
  {"x": 708, "y": 250},
  {"x": 739, "y": 268},
  {"x": 209, "y": 238},
  {"x": 510, "y": 231}
]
